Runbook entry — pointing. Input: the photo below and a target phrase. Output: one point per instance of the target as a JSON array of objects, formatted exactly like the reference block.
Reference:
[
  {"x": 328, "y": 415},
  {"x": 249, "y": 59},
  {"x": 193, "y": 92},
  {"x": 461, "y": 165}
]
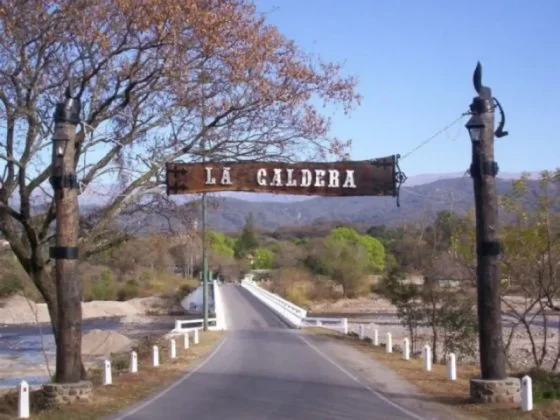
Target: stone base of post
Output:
[
  {"x": 55, "y": 394},
  {"x": 489, "y": 391}
]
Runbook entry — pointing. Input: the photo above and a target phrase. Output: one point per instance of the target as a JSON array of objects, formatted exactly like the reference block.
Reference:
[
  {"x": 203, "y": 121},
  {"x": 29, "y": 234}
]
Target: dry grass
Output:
[
  {"x": 439, "y": 388},
  {"x": 127, "y": 388}
]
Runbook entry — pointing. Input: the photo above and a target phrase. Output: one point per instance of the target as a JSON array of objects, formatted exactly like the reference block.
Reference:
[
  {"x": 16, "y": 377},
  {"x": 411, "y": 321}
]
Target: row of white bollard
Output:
[
  {"x": 23, "y": 404},
  {"x": 451, "y": 364}
]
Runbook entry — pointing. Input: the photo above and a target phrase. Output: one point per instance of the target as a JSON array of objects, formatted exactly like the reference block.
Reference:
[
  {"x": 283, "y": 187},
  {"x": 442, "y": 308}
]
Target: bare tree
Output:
[
  {"x": 143, "y": 72},
  {"x": 530, "y": 261}
]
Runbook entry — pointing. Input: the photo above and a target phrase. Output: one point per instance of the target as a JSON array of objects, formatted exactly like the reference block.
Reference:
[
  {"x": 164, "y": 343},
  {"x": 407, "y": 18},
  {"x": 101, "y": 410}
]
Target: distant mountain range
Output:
[
  {"x": 421, "y": 202},
  {"x": 421, "y": 198},
  {"x": 418, "y": 201},
  {"x": 99, "y": 194}
]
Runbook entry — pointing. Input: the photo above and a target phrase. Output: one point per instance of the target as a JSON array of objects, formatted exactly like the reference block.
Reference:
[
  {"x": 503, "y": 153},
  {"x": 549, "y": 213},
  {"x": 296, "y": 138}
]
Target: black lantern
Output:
[{"x": 476, "y": 128}]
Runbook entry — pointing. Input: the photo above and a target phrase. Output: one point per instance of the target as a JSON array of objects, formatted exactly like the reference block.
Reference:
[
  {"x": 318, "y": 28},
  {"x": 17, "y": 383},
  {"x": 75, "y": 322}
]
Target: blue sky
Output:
[{"x": 414, "y": 61}]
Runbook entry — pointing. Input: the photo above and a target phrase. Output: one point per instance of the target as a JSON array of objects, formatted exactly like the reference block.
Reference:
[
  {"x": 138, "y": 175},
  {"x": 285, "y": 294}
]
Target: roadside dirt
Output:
[{"x": 376, "y": 376}]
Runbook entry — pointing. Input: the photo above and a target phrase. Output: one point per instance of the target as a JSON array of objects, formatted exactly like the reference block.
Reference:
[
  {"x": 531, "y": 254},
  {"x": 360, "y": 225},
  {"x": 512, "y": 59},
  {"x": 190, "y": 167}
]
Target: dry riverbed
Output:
[
  {"x": 20, "y": 310},
  {"x": 376, "y": 310},
  {"x": 27, "y": 345}
]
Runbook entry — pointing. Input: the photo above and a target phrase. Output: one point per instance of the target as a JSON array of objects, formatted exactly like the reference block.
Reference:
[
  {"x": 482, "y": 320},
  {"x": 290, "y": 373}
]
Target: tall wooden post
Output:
[
  {"x": 483, "y": 171},
  {"x": 65, "y": 253}
]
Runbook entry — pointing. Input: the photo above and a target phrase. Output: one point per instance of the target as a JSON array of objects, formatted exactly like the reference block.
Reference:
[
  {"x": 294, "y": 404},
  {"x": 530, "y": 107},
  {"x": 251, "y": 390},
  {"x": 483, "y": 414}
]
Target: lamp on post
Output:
[{"x": 475, "y": 126}]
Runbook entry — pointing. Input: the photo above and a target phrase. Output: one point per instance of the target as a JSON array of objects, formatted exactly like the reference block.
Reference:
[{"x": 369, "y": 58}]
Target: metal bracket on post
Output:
[{"x": 399, "y": 179}]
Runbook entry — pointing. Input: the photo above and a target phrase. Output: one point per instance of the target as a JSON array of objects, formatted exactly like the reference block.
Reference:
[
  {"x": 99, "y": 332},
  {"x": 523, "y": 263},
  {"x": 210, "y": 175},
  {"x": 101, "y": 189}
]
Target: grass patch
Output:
[
  {"x": 546, "y": 385},
  {"x": 127, "y": 388}
]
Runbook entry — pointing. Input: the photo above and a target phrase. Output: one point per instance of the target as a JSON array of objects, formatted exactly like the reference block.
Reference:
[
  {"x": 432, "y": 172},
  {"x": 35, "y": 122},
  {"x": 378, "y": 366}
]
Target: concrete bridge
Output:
[{"x": 267, "y": 369}]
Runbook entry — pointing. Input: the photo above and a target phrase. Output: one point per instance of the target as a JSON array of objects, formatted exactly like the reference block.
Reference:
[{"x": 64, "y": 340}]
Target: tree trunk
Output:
[
  {"x": 434, "y": 344},
  {"x": 43, "y": 281}
]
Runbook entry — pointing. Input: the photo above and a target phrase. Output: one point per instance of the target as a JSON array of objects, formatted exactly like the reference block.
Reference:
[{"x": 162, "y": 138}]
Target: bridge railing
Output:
[
  {"x": 219, "y": 307},
  {"x": 184, "y": 325},
  {"x": 216, "y": 323},
  {"x": 291, "y": 313},
  {"x": 337, "y": 324}
]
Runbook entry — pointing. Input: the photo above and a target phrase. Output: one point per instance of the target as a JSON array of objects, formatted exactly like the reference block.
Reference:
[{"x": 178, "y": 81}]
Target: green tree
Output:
[
  {"x": 374, "y": 248},
  {"x": 221, "y": 243},
  {"x": 263, "y": 259},
  {"x": 247, "y": 242},
  {"x": 347, "y": 263}
]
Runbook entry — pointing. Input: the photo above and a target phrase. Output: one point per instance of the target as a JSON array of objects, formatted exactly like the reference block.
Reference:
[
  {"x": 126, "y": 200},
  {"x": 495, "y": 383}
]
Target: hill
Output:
[{"x": 420, "y": 202}]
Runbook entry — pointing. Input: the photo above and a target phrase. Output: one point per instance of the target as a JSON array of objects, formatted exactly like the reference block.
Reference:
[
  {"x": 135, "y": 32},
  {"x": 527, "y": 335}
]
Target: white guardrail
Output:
[
  {"x": 219, "y": 307},
  {"x": 217, "y": 323},
  {"x": 295, "y": 316},
  {"x": 289, "y": 312}
]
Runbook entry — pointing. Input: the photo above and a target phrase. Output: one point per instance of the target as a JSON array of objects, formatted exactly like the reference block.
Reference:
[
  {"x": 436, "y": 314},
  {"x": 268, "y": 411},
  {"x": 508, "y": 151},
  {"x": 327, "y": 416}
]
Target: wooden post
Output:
[
  {"x": 65, "y": 253},
  {"x": 483, "y": 172}
]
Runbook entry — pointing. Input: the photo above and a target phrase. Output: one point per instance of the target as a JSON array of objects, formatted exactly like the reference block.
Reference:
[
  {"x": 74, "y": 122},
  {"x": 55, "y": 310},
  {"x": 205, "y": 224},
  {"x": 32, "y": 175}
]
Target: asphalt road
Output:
[{"x": 265, "y": 371}]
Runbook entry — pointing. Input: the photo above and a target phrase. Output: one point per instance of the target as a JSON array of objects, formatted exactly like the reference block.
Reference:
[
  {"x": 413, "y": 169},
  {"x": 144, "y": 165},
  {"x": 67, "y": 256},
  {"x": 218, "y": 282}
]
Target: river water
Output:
[{"x": 23, "y": 347}]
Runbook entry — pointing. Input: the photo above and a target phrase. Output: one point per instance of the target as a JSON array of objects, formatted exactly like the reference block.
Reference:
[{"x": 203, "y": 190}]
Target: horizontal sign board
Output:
[{"x": 376, "y": 177}]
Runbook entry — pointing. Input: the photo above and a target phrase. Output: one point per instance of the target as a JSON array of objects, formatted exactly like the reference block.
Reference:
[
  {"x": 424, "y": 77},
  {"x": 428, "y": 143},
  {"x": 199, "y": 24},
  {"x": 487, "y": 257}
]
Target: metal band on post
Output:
[
  {"x": 491, "y": 249},
  {"x": 486, "y": 168},
  {"x": 63, "y": 252},
  {"x": 64, "y": 181}
]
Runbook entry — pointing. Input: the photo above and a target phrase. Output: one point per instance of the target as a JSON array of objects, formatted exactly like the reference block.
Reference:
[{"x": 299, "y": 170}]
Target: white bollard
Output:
[
  {"x": 406, "y": 349},
  {"x": 186, "y": 341},
  {"x": 155, "y": 356},
  {"x": 172, "y": 349},
  {"x": 345, "y": 326},
  {"x": 23, "y": 404},
  {"x": 451, "y": 367},
  {"x": 133, "y": 365},
  {"x": 376, "y": 337},
  {"x": 526, "y": 393},
  {"x": 361, "y": 332},
  {"x": 107, "y": 374},
  {"x": 389, "y": 343},
  {"x": 427, "y": 357},
  {"x": 196, "y": 339}
]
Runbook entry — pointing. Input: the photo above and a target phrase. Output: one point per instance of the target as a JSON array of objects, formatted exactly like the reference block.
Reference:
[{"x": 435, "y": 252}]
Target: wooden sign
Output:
[{"x": 377, "y": 177}]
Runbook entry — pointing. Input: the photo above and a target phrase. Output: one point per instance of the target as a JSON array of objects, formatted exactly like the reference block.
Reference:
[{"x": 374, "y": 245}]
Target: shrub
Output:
[
  {"x": 120, "y": 362},
  {"x": 105, "y": 288},
  {"x": 128, "y": 291},
  {"x": 10, "y": 284},
  {"x": 546, "y": 385},
  {"x": 292, "y": 284},
  {"x": 297, "y": 295}
]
